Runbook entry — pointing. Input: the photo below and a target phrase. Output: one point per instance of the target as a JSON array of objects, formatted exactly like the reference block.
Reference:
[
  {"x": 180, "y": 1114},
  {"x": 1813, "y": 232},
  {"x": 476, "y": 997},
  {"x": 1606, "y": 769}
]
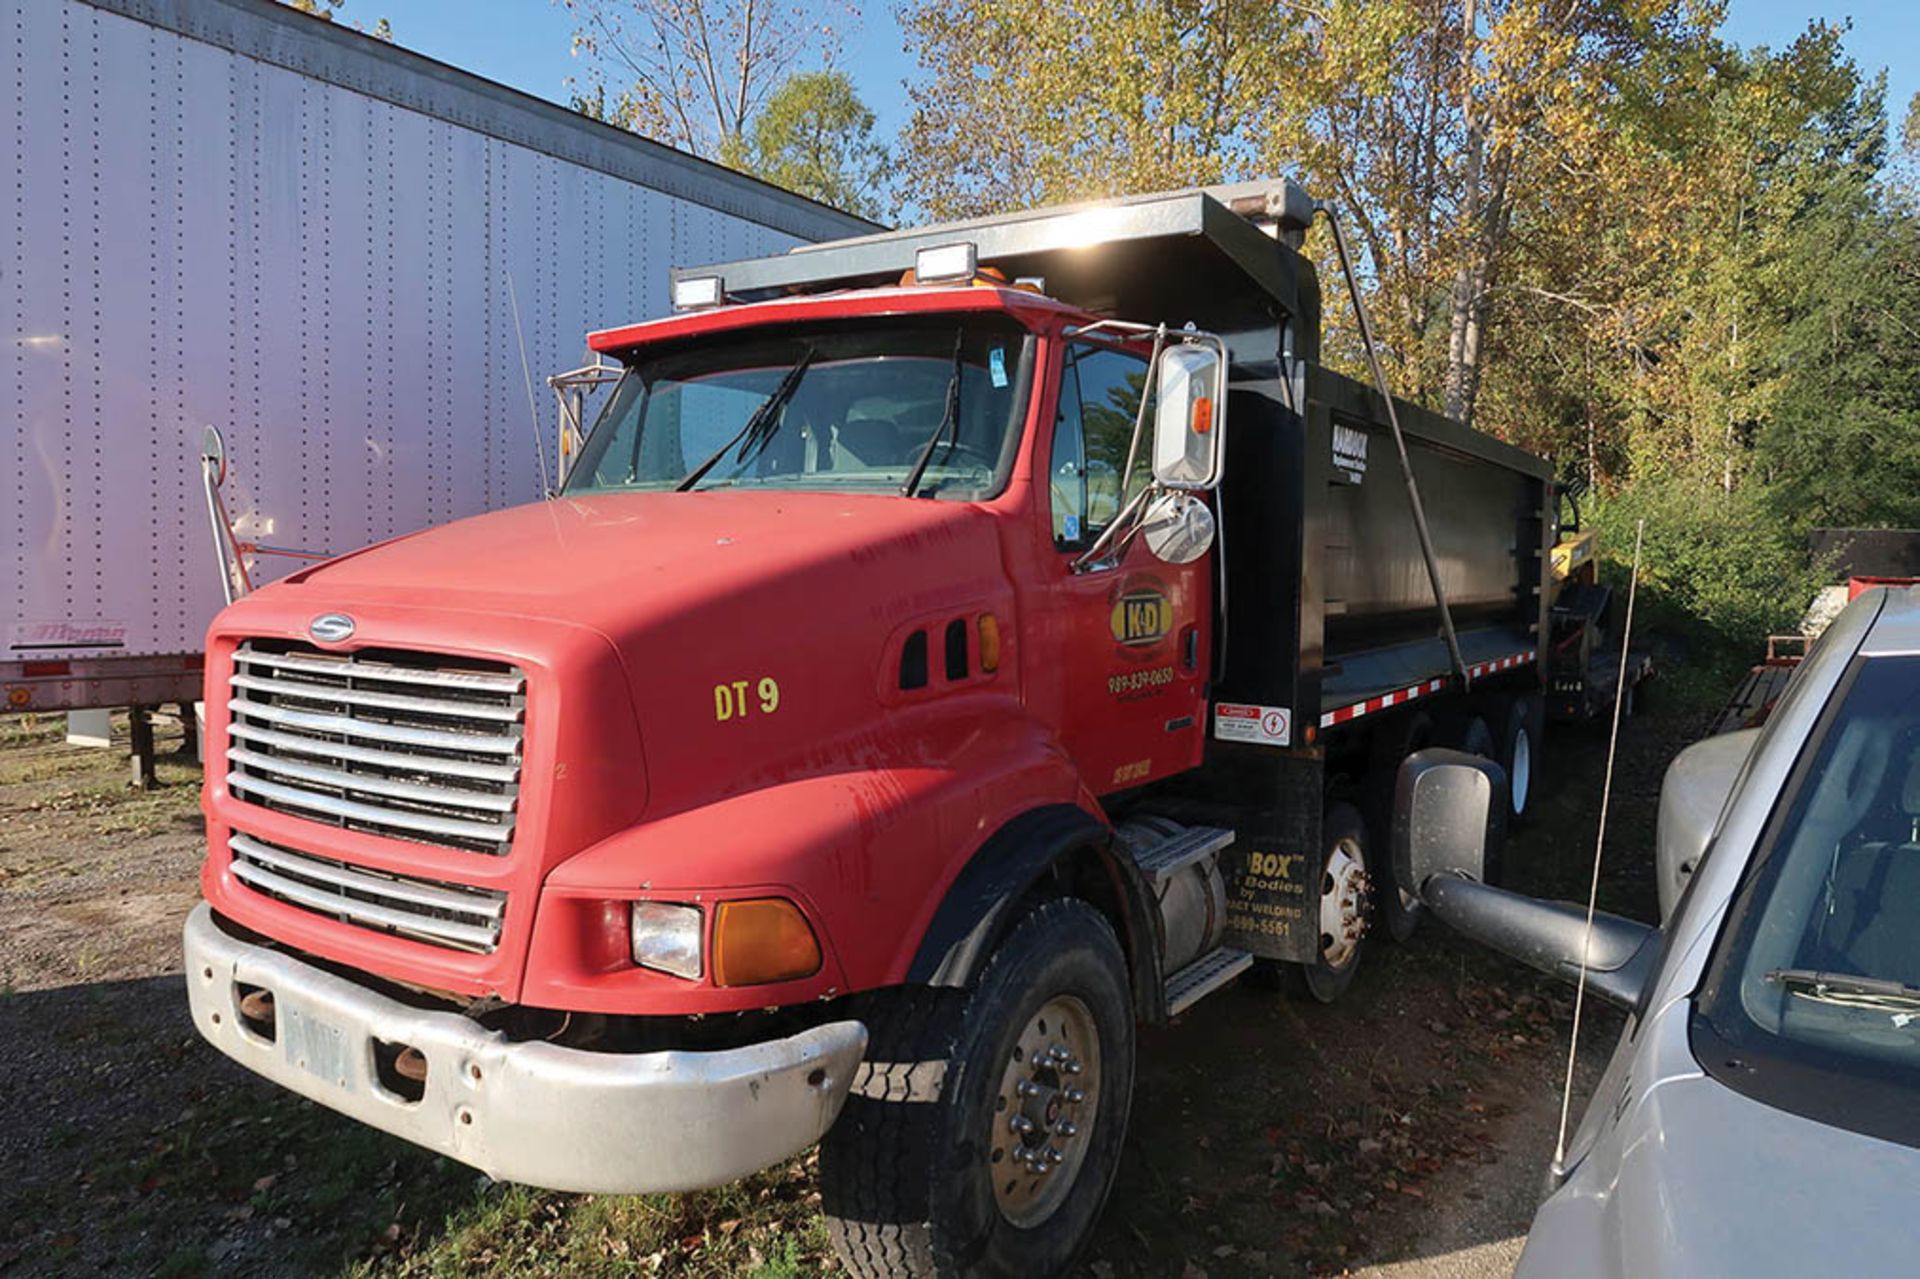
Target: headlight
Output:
[{"x": 667, "y": 937}]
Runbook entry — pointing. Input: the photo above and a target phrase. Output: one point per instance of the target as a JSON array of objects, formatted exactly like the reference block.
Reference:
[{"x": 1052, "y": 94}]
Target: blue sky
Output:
[{"x": 526, "y": 43}]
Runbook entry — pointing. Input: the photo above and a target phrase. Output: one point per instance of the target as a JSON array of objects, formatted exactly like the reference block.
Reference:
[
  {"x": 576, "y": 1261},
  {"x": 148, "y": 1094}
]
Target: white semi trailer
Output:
[{"x": 223, "y": 212}]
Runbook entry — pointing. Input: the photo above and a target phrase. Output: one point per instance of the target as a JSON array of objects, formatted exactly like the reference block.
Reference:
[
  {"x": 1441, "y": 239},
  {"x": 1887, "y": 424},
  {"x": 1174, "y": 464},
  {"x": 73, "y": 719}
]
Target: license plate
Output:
[{"x": 315, "y": 1045}]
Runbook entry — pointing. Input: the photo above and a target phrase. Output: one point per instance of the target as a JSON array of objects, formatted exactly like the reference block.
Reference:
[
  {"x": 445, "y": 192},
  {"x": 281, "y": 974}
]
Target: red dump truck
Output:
[{"x": 951, "y": 649}]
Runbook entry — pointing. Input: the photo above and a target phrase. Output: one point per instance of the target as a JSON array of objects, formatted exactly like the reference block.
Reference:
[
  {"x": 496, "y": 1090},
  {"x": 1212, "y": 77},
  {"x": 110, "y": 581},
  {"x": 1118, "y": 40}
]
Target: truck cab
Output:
[{"x": 908, "y": 670}]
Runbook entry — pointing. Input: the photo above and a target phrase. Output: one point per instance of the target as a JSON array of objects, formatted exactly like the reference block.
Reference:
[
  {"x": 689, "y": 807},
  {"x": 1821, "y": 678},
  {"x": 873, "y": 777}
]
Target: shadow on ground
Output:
[{"x": 1269, "y": 1136}]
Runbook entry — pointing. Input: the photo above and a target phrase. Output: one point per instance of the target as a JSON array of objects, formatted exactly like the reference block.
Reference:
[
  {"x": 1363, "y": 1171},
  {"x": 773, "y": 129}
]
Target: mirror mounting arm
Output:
[{"x": 1115, "y": 537}]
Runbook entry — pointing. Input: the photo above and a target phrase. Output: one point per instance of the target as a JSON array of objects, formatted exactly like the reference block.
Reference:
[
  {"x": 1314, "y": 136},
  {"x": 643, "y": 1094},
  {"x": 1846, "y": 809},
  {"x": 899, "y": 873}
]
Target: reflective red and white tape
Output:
[{"x": 1426, "y": 688}]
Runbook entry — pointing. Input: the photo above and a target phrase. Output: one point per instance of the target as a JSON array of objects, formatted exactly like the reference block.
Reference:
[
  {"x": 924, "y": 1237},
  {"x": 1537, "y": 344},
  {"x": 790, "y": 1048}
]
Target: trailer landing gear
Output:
[{"x": 144, "y": 775}]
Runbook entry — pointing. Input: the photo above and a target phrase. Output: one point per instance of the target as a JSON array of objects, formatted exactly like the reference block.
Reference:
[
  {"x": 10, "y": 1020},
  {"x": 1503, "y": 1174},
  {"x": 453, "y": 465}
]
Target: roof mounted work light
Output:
[
  {"x": 946, "y": 262},
  {"x": 698, "y": 292}
]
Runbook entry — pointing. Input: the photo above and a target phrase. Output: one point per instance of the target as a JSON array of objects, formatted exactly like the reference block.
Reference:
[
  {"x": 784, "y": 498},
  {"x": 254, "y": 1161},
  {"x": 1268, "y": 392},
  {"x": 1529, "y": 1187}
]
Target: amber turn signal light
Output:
[
  {"x": 1202, "y": 415},
  {"x": 762, "y": 940},
  {"x": 989, "y": 643}
]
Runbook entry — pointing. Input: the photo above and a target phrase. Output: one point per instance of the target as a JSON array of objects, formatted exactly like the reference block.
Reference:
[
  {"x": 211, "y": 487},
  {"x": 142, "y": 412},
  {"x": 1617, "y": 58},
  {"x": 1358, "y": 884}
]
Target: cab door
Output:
[{"x": 1129, "y": 637}]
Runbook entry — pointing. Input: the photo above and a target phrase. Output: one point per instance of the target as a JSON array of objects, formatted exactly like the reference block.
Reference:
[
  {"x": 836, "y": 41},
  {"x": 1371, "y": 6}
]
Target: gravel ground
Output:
[{"x": 1400, "y": 1133}]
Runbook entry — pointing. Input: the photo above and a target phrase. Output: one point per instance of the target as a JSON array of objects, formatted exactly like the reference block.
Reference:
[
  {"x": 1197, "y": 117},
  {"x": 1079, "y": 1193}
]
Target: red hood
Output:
[
  {"x": 814, "y": 591},
  {"x": 611, "y": 561},
  {"x": 758, "y": 637}
]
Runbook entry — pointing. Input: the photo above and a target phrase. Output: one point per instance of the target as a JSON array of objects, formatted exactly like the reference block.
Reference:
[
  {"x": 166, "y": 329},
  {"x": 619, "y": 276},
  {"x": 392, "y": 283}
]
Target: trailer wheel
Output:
[
  {"x": 1399, "y": 912},
  {"x": 985, "y": 1127},
  {"x": 1345, "y": 906},
  {"x": 1520, "y": 754}
]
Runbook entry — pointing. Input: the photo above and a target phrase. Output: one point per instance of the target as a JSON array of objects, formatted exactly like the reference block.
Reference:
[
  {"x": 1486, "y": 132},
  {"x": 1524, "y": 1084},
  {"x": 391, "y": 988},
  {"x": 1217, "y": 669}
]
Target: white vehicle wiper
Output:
[{"x": 1848, "y": 988}]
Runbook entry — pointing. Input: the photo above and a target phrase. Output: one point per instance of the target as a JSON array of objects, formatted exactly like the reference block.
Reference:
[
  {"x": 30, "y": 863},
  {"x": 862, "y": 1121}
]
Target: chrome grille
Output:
[
  {"x": 408, "y": 745},
  {"x": 426, "y": 910}
]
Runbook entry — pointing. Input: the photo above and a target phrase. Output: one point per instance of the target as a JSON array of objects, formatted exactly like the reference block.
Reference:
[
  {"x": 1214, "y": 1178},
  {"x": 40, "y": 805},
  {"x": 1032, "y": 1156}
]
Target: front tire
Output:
[{"x": 985, "y": 1128}]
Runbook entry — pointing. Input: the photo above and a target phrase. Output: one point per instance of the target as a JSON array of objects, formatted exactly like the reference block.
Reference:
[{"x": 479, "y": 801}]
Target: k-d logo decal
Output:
[{"x": 1142, "y": 614}]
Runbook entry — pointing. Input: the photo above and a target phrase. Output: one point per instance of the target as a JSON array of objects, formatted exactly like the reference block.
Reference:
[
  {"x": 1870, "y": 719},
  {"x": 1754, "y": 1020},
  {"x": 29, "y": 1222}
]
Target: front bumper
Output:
[{"x": 532, "y": 1112}]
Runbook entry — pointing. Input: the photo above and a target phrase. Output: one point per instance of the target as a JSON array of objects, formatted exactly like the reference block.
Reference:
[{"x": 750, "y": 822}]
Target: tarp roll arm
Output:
[{"x": 1400, "y": 446}]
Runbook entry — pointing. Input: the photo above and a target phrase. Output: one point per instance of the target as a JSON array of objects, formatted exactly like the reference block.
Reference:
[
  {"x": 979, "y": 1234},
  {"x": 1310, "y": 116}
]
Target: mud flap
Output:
[
  {"x": 1272, "y": 870},
  {"x": 1270, "y": 910}
]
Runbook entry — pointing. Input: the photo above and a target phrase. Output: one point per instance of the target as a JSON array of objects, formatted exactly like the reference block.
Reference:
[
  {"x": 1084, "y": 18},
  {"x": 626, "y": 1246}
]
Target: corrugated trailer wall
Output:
[{"x": 220, "y": 216}]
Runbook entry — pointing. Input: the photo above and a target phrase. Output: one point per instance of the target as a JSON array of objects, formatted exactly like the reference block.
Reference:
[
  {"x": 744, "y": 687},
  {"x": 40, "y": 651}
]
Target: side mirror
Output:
[
  {"x": 1178, "y": 527},
  {"x": 1692, "y": 796},
  {"x": 1190, "y": 417},
  {"x": 1449, "y": 812},
  {"x": 213, "y": 452},
  {"x": 1449, "y": 809}
]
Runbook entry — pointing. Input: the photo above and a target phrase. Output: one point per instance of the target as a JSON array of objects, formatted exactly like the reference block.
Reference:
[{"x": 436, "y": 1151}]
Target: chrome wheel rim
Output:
[
  {"x": 1343, "y": 904},
  {"x": 1043, "y": 1115},
  {"x": 1522, "y": 769}
]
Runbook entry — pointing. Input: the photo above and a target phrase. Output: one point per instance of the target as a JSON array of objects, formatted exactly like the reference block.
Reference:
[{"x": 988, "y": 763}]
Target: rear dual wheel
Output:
[
  {"x": 986, "y": 1125},
  {"x": 1344, "y": 906}
]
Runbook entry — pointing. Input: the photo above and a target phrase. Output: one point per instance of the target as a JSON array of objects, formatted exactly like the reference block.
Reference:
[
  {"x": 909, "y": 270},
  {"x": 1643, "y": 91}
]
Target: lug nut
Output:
[
  {"x": 1075, "y": 1096},
  {"x": 1067, "y": 1128},
  {"x": 1027, "y": 1088},
  {"x": 1020, "y": 1124}
]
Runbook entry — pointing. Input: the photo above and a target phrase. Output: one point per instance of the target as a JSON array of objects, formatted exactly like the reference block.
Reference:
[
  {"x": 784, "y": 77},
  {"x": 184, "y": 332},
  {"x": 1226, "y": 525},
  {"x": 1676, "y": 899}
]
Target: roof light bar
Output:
[
  {"x": 698, "y": 292},
  {"x": 946, "y": 262}
]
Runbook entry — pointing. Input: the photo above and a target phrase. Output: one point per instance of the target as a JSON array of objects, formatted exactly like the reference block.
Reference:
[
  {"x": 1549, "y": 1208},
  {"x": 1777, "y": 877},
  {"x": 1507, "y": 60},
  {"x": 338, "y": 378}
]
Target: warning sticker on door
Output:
[{"x": 1260, "y": 725}]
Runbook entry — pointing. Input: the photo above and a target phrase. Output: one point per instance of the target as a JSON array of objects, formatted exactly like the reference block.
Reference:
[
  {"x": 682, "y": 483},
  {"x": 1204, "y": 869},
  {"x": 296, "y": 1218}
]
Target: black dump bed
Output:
[{"x": 1328, "y": 605}]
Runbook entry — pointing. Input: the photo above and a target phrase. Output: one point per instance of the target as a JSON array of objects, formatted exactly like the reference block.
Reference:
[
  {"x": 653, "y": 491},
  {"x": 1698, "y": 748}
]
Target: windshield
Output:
[
  {"x": 1820, "y": 966},
  {"x": 927, "y": 405}
]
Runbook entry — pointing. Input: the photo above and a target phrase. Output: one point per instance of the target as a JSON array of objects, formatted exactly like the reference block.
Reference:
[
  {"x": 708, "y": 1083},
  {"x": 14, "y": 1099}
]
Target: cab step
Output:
[
  {"x": 1204, "y": 976},
  {"x": 1160, "y": 862}
]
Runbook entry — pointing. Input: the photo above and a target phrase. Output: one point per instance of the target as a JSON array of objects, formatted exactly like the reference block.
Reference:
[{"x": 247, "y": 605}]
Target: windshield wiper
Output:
[
  {"x": 1847, "y": 988},
  {"x": 760, "y": 424},
  {"x": 949, "y": 421}
]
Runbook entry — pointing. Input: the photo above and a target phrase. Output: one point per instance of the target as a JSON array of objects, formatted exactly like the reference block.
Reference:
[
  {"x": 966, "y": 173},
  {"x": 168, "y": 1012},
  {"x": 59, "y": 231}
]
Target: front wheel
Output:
[{"x": 985, "y": 1127}]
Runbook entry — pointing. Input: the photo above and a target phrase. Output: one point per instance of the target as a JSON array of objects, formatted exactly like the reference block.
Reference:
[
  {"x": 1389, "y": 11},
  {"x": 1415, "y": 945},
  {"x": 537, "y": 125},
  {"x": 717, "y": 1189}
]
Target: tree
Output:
[
  {"x": 1025, "y": 102},
  {"x": 815, "y": 136},
  {"x": 696, "y": 71},
  {"x": 1444, "y": 129}
]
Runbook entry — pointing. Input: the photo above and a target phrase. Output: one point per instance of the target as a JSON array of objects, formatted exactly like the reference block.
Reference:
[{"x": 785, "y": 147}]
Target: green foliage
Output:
[
  {"x": 695, "y": 74},
  {"x": 815, "y": 136},
  {"x": 1719, "y": 573}
]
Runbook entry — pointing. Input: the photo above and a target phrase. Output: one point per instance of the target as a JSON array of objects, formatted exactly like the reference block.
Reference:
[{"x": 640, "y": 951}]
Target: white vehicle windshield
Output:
[
  {"x": 922, "y": 406},
  {"x": 1819, "y": 970}
]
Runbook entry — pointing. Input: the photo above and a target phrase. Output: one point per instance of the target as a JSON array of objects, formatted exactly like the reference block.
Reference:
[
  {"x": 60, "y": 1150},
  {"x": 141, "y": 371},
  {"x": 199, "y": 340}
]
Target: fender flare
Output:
[{"x": 979, "y": 905}]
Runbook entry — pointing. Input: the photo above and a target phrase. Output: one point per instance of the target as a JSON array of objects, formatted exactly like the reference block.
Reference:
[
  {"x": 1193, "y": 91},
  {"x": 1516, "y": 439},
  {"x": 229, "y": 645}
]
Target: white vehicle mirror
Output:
[
  {"x": 1445, "y": 816},
  {"x": 1190, "y": 419},
  {"x": 1692, "y": 794}
]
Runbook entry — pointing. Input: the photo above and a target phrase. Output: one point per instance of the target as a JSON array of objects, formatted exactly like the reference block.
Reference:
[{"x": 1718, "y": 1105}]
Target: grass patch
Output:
[{"x": 768, "y": 1225}]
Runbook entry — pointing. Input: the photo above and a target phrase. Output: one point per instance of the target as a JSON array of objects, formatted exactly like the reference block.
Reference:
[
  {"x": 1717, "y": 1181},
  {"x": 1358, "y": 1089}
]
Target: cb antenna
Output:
[
  {"x": 1600, "y": 842},
  {"x": 526, "y": 373}
]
